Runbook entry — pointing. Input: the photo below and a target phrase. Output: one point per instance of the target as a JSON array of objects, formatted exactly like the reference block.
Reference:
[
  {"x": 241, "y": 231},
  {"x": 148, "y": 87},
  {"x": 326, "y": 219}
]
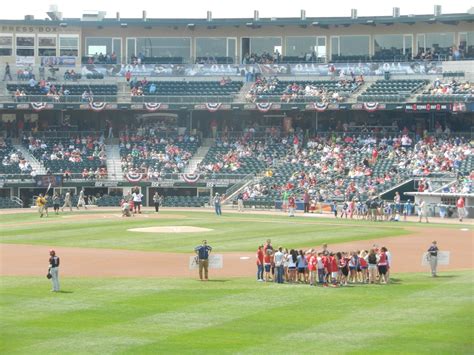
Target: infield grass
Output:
[
  {"x": 415, "y": 314},
  {"x": 230, "y": 232}
]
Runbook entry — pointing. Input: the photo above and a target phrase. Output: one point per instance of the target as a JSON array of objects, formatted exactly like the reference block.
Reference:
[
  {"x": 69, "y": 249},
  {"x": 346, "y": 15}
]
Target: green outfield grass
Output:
[
  {"x": 231, "y": 232},
  {"x": 415, "y": 314}
]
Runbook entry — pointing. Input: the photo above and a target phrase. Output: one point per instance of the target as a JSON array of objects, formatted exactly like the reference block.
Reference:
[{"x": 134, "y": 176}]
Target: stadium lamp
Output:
[
  {"x": 191, "y": 26},
  {"x": 249, "y": 24},
  {"x": 123, "y": 24},
  {"x": 63, "y": 24},
  {"x": 315, "y": 23}
]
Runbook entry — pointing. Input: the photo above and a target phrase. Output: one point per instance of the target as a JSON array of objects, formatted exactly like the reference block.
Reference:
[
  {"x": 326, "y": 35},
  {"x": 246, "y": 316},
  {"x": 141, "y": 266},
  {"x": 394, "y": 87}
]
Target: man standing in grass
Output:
[
  {"x": 433, "y": 258},
  {"x": 217, "y": 204},
  {"x": 203, "y": 252},
  {"x": 41, "y": 203},
  {"x": 279, "y": 256}
]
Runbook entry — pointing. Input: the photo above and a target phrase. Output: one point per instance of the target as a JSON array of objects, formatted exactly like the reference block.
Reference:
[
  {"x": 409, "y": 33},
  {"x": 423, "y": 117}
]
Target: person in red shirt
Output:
[
  {"x": 333, "y": 268},
  {"x": 375, "y": 154},
  {"x": 291, "y": 205},
  {"x": 260, "y": 257},
  {"x": 383, "y": 265},
  {"x": 364, "y": 266},
  {"x": 267, "y": 264},
  {"x": 460, "y": 205}
]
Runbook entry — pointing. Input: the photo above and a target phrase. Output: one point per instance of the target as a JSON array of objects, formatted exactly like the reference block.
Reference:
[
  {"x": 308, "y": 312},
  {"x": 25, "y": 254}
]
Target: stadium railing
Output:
[
  {"x": 183, "y": 99},
  {"x": 64, "y": 98}
]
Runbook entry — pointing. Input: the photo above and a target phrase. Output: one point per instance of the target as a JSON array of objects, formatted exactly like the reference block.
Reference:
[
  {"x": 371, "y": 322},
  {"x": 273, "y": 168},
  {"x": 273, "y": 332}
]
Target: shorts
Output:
[
  {"x": 363, "y": 267},
  {"x": 345, "y": 271},
  {"x": 267, "y": 267},
  {"x": 291, "y": 267},
  {"x": 352, "y": 268},
  {"x": 334, "y": 275},
  {"x": 382, "y": 269},
  {"x": 137, "y": 204},
  {"x": 301, "y": 270},
  {"x": 56, "y": 206}
]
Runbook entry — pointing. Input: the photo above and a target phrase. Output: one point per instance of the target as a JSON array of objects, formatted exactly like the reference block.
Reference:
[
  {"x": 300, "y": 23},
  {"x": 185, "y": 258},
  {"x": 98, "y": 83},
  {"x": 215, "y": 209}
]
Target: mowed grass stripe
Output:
[
  {"x": 185, "y": 316},
  {"x": 228, "y": 234}
]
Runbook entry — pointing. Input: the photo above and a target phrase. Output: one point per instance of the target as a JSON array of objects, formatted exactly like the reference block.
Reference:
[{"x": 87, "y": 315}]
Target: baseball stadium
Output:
[{"x": 234, "y": 184}]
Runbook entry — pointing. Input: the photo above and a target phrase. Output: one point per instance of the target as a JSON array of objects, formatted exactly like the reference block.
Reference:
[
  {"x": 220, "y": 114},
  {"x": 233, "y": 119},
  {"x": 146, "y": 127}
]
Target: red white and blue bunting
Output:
[
  {"x": 320, "y": 106},
  {"x": 152, "y": 106},
  {"x": 371, "y": 106},
  {"x": 39, "y": 106},
  {"x": 190, "y": 178},
  {"x": 264, "y": 106},
  {"x": 133, "y": 177},
  {"x": 97, "y": 106},
  {"x": 213, "y": 106}
]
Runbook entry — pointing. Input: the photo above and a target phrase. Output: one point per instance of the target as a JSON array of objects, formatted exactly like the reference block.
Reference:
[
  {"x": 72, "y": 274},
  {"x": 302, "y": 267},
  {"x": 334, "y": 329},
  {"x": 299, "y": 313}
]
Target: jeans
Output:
[
  {"x": 259, "y": 272},
  {"x": 321, "y": 276},
  {"x": 279, "y": 270},
  {"x": 218, "y": 209}
]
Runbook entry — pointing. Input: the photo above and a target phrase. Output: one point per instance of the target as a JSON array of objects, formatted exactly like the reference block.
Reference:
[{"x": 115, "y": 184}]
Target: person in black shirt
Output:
[
  {"x": 7, "y": 72},
  {"x": 203, "y": 252},
  {"x": 433, "y": 258},
  {"x": 54, "y": 270}
]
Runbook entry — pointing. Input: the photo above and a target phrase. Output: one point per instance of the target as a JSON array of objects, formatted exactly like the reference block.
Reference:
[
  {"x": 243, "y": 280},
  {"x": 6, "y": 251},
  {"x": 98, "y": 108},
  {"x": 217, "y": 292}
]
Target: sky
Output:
[{"x": 232, "y": 9}]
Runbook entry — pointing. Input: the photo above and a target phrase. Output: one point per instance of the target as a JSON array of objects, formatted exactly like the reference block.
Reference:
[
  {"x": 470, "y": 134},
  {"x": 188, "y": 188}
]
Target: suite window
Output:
[
  {"x": 98, "y": 46},
  {"x": 388, "y": 47},
  {"x": 211, "y": 47},
  {"x": 169, "y": 47},
  {"x": 260, "y": 45},
  {"x": 69, "y": 46},
  {"x": 6, "y": 45},
  {"x": 25, "y": 46},
  {"x": 301, "y": 47},
  {"x": 47, "y": 46},
  {"x": 466, "y": 44},
  {"x": 438, "y": 43}
]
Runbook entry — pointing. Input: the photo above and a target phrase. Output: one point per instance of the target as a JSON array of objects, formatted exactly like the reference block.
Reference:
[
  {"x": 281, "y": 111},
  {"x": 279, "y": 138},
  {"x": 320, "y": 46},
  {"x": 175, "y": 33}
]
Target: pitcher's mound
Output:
[{"x": 170, "y": 229}]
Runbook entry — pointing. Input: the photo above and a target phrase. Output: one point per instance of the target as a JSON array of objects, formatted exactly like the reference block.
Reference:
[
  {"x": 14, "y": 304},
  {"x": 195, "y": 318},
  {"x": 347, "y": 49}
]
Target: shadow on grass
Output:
[
  {"x": 64, "y": 292},
  {"x": 214, "y": 280}
]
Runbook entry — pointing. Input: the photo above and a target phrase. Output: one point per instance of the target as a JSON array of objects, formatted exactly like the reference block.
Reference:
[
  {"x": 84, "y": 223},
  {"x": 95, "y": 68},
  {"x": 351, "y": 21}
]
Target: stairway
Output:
[
  {"x": 38, "y": 168},
  {"x": 240, "y": 96},
  {"x": 199, "y": 156},
  {"x": 114, "y": 167}
]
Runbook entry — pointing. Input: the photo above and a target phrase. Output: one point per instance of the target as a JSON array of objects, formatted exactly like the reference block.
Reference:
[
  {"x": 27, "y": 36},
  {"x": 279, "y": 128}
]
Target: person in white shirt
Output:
[
  {"x": 137, "y": 200},
  {"x": 279, "y": 259}
]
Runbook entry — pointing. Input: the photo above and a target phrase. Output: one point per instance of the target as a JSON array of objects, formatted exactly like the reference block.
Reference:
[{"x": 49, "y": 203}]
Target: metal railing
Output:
[{"x": 60, "y": 99}]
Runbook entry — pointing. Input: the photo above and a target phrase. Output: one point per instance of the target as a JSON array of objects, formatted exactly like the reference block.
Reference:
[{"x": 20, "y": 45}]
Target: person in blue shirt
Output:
[
  {"x": 217, "y": 204},
  {"x": 202, "y": 251}
]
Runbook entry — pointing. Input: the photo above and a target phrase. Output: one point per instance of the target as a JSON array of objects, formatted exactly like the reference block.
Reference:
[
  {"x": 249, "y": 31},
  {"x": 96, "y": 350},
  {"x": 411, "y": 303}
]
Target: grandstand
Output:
[{"x": 273, "y": 105}]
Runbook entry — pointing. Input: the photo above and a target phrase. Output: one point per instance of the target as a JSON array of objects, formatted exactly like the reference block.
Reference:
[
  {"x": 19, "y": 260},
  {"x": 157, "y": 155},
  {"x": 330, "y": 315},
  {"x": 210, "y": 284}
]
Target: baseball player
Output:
[
  {"x": 41, "y": 203},
  {"x": 67, "y": 201},
  {"x": 126, "y": 210},
  {"x": 56, "y": 203},
  {"x": 137, "y": 200},
  {"x": 81, "y": 202}
]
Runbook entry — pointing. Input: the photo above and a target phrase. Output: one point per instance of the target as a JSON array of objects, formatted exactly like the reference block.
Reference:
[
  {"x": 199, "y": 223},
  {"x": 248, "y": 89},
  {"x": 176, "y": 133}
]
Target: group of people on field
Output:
[
  {"x": 322, "y": 267},
  {"x": 42, "y": 202}
]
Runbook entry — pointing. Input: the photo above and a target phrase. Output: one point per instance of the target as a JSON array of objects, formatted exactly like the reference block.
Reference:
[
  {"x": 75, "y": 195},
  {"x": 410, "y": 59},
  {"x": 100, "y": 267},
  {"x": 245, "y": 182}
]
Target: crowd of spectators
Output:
[
  {"x": 451, "y": 87},
  {"x": 12, "y": 157},
  {"x": 264, "y": 58},
  {"x": 265, "y": 87},
  {"x": 148, "y": 153},
  {"x": 74, "y": 150},
  {"x": 100, "y": 58},
  {"x": 356, "y": 166}
]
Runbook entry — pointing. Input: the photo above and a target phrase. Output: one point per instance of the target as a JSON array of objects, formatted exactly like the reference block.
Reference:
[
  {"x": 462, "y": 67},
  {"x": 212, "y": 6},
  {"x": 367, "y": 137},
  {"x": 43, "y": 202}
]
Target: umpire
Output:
[{"x": 203, "y": 252}]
